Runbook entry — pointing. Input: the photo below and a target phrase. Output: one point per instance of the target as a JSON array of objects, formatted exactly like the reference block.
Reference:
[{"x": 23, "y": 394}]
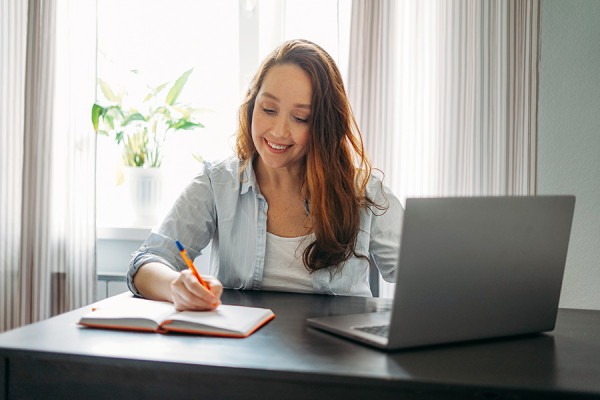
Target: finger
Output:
[
  {"x": 181, "y": 297},
  {"x": 197, "y": 293},
  {"x": 216, "y": 287},
  {"x": 197, "y": 289},
  {"x": 186, "y": 299}
]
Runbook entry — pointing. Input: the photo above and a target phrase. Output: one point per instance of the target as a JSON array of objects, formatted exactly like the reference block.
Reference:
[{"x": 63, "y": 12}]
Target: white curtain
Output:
[
  {"x": 445, "y": 93},
  {"x": 47, "y": 160}
]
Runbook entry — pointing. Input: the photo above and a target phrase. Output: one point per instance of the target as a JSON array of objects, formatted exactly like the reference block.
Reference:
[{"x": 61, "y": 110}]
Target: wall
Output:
[{"x": 569, "y": 135}]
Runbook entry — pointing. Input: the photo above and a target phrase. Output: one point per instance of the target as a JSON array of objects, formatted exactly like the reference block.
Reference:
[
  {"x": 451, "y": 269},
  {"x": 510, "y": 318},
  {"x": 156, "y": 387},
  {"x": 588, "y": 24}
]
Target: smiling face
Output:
[{"x": 280, "y": 119}]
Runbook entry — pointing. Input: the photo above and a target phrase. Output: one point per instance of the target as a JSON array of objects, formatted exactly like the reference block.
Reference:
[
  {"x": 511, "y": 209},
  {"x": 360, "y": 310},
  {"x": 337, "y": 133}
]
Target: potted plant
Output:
[{"x": 140, "y": 130}]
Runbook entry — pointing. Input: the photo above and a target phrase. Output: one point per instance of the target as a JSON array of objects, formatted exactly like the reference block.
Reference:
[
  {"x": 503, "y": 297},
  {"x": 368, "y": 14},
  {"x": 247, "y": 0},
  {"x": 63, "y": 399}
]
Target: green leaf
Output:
[
  {"x": 161, "y": 87},
  {"x": 120, "y": 96},
  {"x": 185, "y": 124},
  {"x": 191, "y": 125},
  {"x": 200, "y": 110},
  {"x": 110, "y": 121},
  {"x": 188, "y": 112},
  {"x": 113, "y": 112},
  {"x": 96, "y": 111},
  {"x": 185, "y": 112},
  {"x": 154, "y": 91},
  {"x": 178, "y": 87},
  {"x": 162, "y": 110},
  {"x": 134, "y": 117},
  {"x": 107, "y": 91}
]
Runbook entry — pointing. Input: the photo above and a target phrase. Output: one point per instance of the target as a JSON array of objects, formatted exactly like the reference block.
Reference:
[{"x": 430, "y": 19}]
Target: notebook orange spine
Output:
[{"x": 209, "y": 333}]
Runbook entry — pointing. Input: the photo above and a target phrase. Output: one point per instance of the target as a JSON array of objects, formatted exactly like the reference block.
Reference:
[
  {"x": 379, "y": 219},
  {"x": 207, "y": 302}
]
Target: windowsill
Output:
[{"x": 139, "y": 233}]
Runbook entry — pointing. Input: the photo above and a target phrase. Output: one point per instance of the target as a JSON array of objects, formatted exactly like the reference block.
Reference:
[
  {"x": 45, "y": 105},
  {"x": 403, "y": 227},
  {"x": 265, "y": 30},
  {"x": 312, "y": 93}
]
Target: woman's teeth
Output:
[{"x": 277, "y": 146}]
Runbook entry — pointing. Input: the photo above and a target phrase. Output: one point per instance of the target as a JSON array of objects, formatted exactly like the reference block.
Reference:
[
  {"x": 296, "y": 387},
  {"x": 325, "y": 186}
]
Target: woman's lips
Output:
[{"x": 278, "y": 147}]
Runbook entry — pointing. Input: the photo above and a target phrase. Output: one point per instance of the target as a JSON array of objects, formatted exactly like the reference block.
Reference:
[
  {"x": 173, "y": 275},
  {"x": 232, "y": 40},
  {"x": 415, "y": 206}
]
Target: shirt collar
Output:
[{"x": 249, "y": 179}]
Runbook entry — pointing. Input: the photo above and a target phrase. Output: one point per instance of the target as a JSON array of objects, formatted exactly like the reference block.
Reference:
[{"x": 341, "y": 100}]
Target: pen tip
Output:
[{"x": 179, "y": 246}]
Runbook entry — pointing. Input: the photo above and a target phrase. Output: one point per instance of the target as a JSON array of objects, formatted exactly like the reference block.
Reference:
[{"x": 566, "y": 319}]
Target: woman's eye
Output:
[
  {"x": 301, "y": 120},
  {"x": 268, "y": 110}
]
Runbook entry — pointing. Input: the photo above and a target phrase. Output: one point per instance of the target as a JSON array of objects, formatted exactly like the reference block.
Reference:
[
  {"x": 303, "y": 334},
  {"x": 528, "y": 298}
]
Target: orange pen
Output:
[{"x": 190, "y": 264}]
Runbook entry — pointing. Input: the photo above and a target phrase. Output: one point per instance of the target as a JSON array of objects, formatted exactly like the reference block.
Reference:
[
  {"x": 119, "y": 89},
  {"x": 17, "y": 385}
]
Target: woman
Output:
[{"x": 297, "y": 208}]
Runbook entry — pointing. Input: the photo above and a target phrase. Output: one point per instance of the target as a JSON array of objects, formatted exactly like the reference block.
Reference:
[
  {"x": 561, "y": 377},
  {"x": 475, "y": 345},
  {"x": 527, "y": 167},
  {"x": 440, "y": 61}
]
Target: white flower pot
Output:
[{"x": 144, "y": 188}]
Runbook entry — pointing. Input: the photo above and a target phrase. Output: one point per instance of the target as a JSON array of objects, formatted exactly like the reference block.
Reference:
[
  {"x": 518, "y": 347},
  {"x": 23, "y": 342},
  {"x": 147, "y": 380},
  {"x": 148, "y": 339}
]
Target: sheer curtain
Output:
[
  {"x": 47, "y": 206},
  {"x": 445, "y": 93}
]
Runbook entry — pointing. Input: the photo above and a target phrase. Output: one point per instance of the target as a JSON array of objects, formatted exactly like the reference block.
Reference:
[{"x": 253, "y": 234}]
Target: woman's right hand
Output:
[
  {"x": 158, "y": 281},
  {"x": 189, "y": 294}
]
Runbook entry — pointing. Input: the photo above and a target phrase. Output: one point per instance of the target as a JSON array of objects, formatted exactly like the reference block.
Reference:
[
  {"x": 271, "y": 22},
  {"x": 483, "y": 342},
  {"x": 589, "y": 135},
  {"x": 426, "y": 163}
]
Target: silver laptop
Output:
[{"x": 470, "y": 268}]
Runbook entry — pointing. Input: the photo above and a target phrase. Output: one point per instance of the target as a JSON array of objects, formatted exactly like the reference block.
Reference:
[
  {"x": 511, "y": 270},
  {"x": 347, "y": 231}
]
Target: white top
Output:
[{"x": 284, "y": 270}]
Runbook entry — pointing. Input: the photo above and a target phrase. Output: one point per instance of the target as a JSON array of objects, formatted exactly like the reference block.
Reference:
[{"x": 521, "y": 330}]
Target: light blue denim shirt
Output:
[{"x": 219, "y": 206}]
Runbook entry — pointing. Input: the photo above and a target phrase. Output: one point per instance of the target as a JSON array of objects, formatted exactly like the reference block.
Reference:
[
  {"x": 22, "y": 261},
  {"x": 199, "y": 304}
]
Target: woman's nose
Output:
[{"x": 281, "y": 127}]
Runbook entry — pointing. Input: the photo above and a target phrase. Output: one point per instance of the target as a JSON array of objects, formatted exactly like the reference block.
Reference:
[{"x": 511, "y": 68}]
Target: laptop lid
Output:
[{"x": 472, "y": 268}]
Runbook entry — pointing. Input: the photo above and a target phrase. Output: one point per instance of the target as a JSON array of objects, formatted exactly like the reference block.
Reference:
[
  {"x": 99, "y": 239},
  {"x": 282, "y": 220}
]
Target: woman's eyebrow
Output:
[{"x": 276, "y": 99}]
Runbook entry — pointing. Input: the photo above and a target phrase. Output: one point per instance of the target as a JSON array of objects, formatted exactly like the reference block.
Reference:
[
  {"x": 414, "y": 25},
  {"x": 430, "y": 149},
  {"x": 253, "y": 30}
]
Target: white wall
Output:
[{"x": 569, "y": 135}]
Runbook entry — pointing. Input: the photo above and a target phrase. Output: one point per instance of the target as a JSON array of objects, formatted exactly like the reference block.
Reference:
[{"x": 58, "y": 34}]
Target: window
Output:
[{"x": 223, "y": 42}]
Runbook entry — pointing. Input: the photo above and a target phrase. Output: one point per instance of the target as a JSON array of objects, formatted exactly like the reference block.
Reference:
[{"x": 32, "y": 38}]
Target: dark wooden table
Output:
[{"x": 286, "y": 359}]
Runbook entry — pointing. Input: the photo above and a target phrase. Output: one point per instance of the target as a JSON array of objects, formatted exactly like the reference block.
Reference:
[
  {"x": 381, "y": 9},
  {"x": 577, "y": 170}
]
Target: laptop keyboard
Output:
[{"x": 379, "y": 330}]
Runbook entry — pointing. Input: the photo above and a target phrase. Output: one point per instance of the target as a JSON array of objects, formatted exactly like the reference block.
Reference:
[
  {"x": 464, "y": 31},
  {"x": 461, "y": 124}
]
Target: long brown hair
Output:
[{"x": 337, "y": 167}]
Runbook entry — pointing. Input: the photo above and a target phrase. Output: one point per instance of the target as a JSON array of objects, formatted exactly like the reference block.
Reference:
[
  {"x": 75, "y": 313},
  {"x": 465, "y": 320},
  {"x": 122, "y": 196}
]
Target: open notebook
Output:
[
  {"x": 133, "y": 313},
  {"x": 470, "y": 268}
]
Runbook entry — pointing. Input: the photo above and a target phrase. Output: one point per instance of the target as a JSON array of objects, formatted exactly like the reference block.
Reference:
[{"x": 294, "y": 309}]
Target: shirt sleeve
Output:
[
  {"x": 386, "y": 229},
  {"x": 191, "y": 220}
]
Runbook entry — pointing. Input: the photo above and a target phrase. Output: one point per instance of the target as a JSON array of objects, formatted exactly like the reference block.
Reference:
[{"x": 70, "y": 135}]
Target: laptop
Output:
[{"x": 470, "y": 268}]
